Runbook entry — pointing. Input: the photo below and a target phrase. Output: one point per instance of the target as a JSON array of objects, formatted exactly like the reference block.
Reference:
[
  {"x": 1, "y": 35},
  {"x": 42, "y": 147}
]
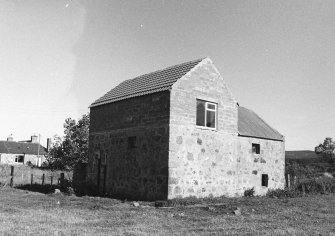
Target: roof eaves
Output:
[
  {"x": 267, "y": 123},
  {"x": 130, "y": 96},
  {"x": 249, "y": 136}
]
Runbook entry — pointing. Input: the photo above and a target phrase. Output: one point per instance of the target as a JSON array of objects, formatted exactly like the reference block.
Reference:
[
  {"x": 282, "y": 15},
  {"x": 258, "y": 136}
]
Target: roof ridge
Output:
[
  {"x": 167, "y": 68},
  {"x": 156, "y": 81}
]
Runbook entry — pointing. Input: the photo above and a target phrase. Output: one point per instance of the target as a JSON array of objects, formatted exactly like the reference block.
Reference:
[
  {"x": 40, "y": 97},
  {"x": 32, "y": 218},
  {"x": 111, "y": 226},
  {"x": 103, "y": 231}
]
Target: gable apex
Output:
[{"x": 207, "y": 62}]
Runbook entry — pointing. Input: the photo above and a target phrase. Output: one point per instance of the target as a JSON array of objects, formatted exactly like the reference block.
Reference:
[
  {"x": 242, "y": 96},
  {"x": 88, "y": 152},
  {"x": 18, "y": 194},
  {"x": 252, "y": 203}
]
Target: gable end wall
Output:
[
  {"x": 205, "y": 162},
  {"x": 202, "y": 162}
]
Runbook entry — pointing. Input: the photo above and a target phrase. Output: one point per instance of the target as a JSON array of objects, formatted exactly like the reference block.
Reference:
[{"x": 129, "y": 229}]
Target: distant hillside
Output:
[
  {"x": 308, "y": 158},
  {"x": 301, "y": 155}
]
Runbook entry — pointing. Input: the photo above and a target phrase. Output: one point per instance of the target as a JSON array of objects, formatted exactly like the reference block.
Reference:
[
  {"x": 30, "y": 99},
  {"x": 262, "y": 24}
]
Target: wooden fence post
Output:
[
  {"x": 31, "y": 179},
  {"x": 288, "y": 181},
  {"x": 11, "y": 176},
  {"x": 51, "y": 179},
  {"x": 61, "y": 179},
  {"x": 43, "y": 177}
]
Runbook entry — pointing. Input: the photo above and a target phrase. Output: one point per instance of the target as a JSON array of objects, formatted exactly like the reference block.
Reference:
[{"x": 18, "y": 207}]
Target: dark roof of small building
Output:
[
  {"x": 11, "y": 147},
  {"x": 251, "y": 125},
  {"x": 157, "y": 81}
]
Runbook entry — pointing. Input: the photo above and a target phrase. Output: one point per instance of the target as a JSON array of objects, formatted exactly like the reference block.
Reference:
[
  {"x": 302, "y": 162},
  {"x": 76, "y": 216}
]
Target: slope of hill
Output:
[
  {"x": 301, "y": 155},
  {"x": 308, "y": 159}
]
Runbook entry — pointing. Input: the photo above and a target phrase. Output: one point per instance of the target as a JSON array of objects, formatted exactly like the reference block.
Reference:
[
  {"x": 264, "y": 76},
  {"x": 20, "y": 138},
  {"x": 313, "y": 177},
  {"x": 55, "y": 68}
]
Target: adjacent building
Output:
[
  {"x": 22, "y": 152},
  {"x": 180, "y": 132}
]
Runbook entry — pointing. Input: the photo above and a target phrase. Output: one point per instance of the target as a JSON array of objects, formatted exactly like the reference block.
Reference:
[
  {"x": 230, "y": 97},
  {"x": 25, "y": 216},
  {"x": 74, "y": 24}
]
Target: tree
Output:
[
  {"x": 327, "y": 149},
  {"x": 72, "y": 148}
]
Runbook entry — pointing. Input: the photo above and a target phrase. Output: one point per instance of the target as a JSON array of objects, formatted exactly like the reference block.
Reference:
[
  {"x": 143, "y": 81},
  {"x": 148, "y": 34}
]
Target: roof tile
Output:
[
  {"x": 157, "y": 81},
  {"x": 21, "y": 148}
]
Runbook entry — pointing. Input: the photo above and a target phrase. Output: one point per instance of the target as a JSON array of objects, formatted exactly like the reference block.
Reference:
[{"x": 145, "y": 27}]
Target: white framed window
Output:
[
  {"x": 206, "y": 114},
  {"x": 19, "y": 159}
]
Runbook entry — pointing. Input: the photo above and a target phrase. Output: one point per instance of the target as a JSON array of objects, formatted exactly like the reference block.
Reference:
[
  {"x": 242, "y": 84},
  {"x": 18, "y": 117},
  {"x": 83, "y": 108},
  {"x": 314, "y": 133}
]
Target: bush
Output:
[
  {"x": 192, "y": 201},
  {"x": 283, "y": 193},
  {"x": 85, "y": 188},
  {"x": 46, "y": 189},
  {"x": 30, "y": 164},
  {"x": 184, "y": 201},
  {"x": 249, "y": 192},
  {"x": 308, "y": 186},
  {"x": 318, "y": 185},
  {"x": 303, "y": 171}
]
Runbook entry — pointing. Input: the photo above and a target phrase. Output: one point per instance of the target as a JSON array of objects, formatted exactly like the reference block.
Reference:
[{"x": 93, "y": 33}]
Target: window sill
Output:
[{"x": 206, "y": 128}]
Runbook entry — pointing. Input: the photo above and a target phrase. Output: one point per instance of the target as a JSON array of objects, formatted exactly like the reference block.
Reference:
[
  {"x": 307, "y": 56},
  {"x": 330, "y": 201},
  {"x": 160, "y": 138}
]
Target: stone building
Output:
[
  {"x": 180, "y": 132},
  {"x": 22, "y": 152}
]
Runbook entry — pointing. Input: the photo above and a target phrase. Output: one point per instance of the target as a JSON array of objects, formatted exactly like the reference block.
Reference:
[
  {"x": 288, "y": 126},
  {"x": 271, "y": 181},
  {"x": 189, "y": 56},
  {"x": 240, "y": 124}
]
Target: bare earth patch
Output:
[{"x": 23, "y": 212}]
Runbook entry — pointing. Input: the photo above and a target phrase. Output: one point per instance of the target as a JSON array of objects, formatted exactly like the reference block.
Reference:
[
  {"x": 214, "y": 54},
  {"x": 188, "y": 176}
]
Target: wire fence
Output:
[{"x": 16, "y": 175}]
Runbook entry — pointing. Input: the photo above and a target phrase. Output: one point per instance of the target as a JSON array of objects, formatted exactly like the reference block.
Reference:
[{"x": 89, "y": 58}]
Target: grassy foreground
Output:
[{"x": 23, "y": 212}]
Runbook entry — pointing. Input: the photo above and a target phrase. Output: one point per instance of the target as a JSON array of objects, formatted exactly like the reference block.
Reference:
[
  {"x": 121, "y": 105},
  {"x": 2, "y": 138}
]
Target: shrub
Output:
[
  {"x": 184, "y": 201},
  {"x": 317, "y": 185},
  {"x": 308, "y": 186},
  {"x": 193, "y": 200},
  {"x": 30, "y": 164},
  {"x": 283, "y": 193},
  {"x": 86, "y": 188},
  {"x": 46, "y": 189},
  {"x": 249, "y": 192},
  {"x": 303, "y": 171}
]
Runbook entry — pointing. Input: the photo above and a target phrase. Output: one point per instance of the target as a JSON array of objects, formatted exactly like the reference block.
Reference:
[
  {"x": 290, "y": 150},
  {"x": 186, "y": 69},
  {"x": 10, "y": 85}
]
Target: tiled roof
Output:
[
  {"x": 251, "y": 125},
  {"x": 21, "y": 148},
  {"x": 157, "y": 81}
]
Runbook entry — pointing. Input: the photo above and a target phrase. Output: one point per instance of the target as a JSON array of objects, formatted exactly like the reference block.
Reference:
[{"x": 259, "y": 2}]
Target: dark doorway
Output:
[{"x": 265, "y": 180}]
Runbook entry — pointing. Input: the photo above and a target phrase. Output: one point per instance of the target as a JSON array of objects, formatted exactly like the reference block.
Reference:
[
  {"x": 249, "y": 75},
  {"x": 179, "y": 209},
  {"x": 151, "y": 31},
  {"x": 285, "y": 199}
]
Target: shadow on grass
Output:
[{"x": 46, "y": 188}]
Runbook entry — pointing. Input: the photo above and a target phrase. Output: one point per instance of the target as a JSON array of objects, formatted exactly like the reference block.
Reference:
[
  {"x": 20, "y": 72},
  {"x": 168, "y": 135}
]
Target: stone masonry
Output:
[
  {"x": 149, "y": 147},
  {"x": 132, "y": 136},
  {"x": 205, "y": 162},
  {"x": 202, "y": 161}
]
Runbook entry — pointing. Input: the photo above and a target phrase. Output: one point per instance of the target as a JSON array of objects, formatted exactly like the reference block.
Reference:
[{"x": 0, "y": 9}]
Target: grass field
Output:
[{"x": 23, "y": 212}]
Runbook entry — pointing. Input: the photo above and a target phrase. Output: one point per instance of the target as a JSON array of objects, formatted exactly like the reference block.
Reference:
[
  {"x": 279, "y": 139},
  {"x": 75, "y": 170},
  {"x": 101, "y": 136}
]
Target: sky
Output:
[{"x": 277, "y": 57}]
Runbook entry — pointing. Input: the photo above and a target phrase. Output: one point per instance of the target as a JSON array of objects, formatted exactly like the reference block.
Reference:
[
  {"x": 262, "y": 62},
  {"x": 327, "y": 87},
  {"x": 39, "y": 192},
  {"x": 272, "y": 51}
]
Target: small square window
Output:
[
  {"x": 265, "y": 180},
  {"x": 256, "y": 148},
  {"x": 132, "y": 142},
  {"x": 206, "y": 114}
]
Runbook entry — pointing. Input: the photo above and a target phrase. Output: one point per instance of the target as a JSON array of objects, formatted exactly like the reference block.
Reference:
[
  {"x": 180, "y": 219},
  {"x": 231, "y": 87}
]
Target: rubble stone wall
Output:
[
  {"x": 205, "y": 162},
  {"x": 251, "y": 167},
  {"x": 128, "y": 147},
  {"x": 202, "y": 162}
]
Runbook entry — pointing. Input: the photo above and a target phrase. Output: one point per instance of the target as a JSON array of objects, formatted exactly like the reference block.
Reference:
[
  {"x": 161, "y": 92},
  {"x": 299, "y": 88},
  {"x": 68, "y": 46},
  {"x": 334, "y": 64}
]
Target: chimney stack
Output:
[
  {"x": 48, "y": 144},
  {"x": 34, "y": 139}
]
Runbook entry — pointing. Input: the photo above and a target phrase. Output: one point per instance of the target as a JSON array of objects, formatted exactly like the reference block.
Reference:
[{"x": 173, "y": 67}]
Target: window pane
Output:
[
  {"x": 211, "y": 106},
  {"x": 200, "y": 113},
  {"x": 210, "y": 119}
]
